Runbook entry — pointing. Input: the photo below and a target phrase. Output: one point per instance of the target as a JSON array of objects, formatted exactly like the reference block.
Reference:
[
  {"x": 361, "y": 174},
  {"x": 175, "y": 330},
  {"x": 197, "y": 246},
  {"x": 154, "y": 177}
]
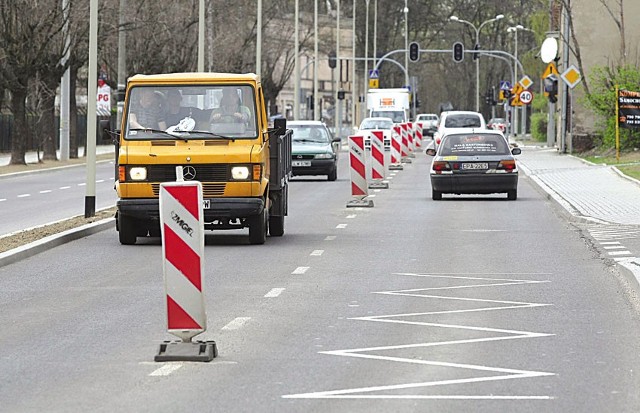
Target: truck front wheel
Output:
[
  {"x": 258, "y": 228},
  {"x": 127, "y": 231}
]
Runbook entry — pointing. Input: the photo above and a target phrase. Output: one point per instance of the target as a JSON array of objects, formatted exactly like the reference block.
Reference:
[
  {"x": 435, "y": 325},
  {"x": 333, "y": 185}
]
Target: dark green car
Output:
[{"x": 314, "y": 150}]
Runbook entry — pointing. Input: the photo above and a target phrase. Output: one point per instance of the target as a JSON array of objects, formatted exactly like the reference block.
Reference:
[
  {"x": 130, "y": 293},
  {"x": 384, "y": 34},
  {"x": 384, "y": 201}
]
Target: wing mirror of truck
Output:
[
  {"x": 280, "y": 124},
  {"x": 106, "y": 134}
]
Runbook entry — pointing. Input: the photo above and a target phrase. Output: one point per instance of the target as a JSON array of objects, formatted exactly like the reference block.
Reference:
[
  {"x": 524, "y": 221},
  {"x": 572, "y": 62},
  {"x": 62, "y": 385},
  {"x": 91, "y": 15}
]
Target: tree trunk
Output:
[
  {"x": 73, "y": 114},
  {"x": 20, "y": 128},
  {"x": 48, "y": 130}
]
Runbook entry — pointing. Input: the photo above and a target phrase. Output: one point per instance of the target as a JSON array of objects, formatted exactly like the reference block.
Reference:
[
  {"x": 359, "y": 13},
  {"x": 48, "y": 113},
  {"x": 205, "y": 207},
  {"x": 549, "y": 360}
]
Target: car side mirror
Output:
[
  {"x": 516, "y": 151},
  {"x": 336, "y": 140},
  {"x": 430, "y": 152}
]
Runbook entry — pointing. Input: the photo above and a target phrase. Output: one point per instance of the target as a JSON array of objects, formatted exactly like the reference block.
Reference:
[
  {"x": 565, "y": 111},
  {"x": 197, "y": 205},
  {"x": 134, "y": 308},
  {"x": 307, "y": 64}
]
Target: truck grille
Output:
[
  {"x": 204, "y": 173},
  {"x": 208, "y": 190}
]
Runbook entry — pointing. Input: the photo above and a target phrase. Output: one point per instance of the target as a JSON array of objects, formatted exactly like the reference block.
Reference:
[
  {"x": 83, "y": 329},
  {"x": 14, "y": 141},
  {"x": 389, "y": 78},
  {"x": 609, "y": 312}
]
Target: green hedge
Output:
[{"x": 539, "y": 126}]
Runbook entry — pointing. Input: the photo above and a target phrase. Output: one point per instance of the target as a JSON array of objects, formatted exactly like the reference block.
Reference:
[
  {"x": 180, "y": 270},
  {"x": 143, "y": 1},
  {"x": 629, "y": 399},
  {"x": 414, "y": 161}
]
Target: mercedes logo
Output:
[{"x": 189, "y": 173}]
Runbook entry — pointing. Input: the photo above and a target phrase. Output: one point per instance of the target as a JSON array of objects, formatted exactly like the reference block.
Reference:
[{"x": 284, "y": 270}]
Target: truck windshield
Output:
[
  {"x": 397, "y": 116},
  {"x": 157, "y": 112}
]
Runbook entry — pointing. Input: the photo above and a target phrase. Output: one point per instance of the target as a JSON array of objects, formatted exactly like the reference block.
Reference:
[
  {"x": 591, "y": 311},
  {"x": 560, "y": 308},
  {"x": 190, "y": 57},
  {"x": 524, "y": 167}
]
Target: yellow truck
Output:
[{"x": 215, "y": 126}]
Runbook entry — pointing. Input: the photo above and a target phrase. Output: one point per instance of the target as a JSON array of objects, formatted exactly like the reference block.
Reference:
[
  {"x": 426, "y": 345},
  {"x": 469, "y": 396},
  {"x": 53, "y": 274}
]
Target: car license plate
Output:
[
  {"x": 300, "y": 163},
  {"x": 478, "y": 165},
  {"x": 206, "y": 204}
]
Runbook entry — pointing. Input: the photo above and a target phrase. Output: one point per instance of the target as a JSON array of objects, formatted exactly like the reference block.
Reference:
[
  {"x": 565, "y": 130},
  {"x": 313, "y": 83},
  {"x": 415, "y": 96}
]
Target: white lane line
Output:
[
  {"x": 316, "y": 253},
  {"x": 237, "y": 323},
  {"x": 341, "y": 226},
  {"x": 82, "y": 184},
  {"x": 3, "y": 199},
  {"x": 166, "y": 369},
  {"x": 615, "y": 247},
  {"x": 300, "y": 270},
  {"x": 330, "y": 238},
  {"x": 619, "y": 253},
  {"x": 610, "y": 243},
  {"x": 99, "y": 181},
  {"x": 274, "y": 293},
  {"x": 23, "y": 195},
  {"x": 46, "y": 191},
  {"x": 64, "y": 187},
  {"x": 351, "y": 216}
]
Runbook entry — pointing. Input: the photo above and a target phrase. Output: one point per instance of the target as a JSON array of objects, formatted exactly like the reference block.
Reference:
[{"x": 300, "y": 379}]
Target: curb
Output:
[{"x": 52, "y": 241}]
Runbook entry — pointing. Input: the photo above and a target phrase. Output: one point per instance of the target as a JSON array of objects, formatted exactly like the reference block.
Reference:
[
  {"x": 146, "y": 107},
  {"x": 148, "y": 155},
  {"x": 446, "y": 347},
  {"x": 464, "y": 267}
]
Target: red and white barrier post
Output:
[
  {"x": 182, "y": 227},
  {"x": 417, "y": 131},
  {"x": 412, "y": 140},
  {"x": 358, "y": 173},
  {"x": 396, "y": 149},
  {"x": 378, "y": 172},
  {"x": 405, "y": 154}
]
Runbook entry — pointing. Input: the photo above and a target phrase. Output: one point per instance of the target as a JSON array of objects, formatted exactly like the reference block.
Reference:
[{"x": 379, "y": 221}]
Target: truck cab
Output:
[{"x": 215, "y": 126}]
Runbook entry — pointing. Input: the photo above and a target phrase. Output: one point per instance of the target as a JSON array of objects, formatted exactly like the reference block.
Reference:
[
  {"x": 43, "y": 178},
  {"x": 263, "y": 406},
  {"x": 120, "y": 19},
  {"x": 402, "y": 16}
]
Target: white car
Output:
[
  {"x": 428, "y": 122},
  {"x": 368, "y": 124},
  {"x": 458, "y": 119}
]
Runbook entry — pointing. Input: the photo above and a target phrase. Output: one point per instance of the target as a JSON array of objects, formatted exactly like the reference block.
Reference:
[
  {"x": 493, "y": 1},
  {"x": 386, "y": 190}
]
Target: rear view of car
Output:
[
  {"x": 497, "y": 124},
  {"x": 474, "y": 163},
  {"x": 313, "y": 149},
  {"x": 428, "y": 122}
]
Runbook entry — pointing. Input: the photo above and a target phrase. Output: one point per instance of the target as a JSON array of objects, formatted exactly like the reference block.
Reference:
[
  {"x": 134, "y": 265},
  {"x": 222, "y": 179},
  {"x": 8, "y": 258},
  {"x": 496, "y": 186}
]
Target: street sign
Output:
[
  {"x": 515, "y": 92},
  {"x": 571, "y": 76},
  {"x": 549, "y": 70},
  {"x": 505, "y": 85},
  {"x": 526, "y": 97},
  {"x": 374, "y": 83},
  {"x": 526, "y": 82},
  {"x": 373, "y": 74}
]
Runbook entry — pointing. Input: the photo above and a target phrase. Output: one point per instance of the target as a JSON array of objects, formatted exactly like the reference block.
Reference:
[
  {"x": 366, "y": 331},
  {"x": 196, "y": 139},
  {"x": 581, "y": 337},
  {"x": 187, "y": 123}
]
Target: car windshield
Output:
[
  {"x": 309, "y": 133},
  {"x": 462, "y": 121},
  {"x": 376, "y": 124},
  {"x": 156, "y": 112},
  {"x": 476, "y": 144}
]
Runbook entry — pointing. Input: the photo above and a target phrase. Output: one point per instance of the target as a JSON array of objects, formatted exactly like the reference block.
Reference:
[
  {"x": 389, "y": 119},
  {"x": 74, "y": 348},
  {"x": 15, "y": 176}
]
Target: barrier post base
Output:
[
  {"x": 379, "y": 185},
  {"x": 396, "y": 167},
  {"x": 184, "y": 351},
  {"x": 365, "y": 203}
]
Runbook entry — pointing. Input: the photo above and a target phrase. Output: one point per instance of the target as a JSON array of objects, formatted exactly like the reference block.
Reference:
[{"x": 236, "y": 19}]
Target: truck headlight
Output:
[
  {"x": 138, "y": 173},
  {"x": 328, "y": 155},
  {"x": 240, "y": 173}
]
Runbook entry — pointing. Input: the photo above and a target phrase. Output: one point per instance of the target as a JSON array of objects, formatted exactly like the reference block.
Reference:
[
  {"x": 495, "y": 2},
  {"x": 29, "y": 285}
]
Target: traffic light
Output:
[
  {"x": 458, "y": 52},
  {"x": 551, "y": 88},
  {"x": 476, "y": 56},
  {"x": 414, "y": 52},
  {"x": 332, "y": 60}
]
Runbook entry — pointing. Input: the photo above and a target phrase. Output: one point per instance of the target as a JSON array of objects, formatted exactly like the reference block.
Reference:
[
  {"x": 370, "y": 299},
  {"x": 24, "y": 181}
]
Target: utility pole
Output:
[{"x": 122, "y": 60}]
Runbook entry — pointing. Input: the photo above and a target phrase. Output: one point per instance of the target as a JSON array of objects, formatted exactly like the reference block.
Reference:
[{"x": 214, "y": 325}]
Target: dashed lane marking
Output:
[
  {"x": 64, "y": 187},
  {"x": 23, "y": 195},
  {"x": 341, "y": 226},
  {"x": 619, "y": 253},
  {"x": 236, "y": 323},
  {"x": 330, "y": 238},
  {"x": 275, "y": 292},
  {"x": 300, "y": 270},
  {"x": 46, "y": 191},
  {"x": 317, "y": 253},
  {"x": 166, "y": 369},
  {"x": 351, "y": 216}
]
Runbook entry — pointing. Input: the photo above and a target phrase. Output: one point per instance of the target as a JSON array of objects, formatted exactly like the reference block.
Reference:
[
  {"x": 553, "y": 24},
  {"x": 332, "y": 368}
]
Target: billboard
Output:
[{"x": 628, "y": 109}]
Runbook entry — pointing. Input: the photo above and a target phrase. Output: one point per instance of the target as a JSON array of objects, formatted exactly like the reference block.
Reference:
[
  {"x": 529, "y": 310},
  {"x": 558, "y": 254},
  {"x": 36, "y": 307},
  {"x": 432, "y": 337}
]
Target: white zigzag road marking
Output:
[{"x": 507, "y": 374}]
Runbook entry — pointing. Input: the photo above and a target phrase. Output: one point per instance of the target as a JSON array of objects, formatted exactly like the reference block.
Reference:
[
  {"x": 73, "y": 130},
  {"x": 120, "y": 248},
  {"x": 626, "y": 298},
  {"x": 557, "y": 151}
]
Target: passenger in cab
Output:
[
  {"x": 146, "y": 112},
  {"x": 230, "y": 110}
]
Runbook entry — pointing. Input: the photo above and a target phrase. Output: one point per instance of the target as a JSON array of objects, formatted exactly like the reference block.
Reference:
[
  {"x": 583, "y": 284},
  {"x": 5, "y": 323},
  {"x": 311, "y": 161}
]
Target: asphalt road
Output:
[
  {"x": 48, "y": 196},
  {"x": 466, "y": 304}
]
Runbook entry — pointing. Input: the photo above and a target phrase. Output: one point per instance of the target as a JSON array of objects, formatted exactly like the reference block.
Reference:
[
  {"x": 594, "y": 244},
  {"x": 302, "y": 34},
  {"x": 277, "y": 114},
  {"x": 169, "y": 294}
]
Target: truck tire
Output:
[
  {"x": 258, "y": 228},
  {"x": 276, "y": 226},
  {"x": 436, "y": 195},
  {"x": 512, "y": 194},
  {"x": 126, "y": 230}
]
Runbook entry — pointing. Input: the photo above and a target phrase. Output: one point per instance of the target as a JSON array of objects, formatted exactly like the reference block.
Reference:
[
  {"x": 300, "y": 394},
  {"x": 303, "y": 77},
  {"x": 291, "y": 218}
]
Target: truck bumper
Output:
[{"x": 220, "y": 208}]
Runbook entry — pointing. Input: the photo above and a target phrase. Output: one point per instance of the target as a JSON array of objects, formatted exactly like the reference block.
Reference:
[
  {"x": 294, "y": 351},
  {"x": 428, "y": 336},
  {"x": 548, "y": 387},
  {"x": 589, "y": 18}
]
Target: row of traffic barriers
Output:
[{"x": 373, "y": 153}]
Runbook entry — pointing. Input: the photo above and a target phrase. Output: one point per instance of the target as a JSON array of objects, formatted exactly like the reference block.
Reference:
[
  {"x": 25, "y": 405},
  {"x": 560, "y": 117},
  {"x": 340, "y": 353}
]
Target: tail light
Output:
[
  {"x": 439, "y": 166},
  {"x": 508, "y": 165}
]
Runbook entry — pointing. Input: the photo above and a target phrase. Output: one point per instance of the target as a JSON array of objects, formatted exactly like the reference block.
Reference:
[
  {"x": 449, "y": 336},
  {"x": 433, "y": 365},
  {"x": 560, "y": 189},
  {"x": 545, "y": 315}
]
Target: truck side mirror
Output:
[{"x": 281, "y": 125}]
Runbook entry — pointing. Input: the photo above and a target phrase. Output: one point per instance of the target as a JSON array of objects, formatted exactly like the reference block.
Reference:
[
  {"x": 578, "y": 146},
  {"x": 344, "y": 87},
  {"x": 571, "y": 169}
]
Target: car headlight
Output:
[
  {"x": 138, "y": 173},
  {"x": 327, "y": 155},
  {"x": 240, "y": 173}
]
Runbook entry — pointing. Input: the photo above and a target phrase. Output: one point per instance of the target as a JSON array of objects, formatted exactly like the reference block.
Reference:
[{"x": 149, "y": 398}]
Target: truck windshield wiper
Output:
[{"x": 181, "y": 134}]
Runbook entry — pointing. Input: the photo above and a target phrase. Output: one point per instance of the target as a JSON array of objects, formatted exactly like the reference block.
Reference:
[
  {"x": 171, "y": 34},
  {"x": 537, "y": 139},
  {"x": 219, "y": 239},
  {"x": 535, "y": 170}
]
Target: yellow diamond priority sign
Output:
[
  {"x": 526, "y": 82},
  {"x": 571, "y": 76}
]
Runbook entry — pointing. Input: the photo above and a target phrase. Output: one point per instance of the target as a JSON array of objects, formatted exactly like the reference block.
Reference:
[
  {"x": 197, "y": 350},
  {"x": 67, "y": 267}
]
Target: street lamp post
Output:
[
  {"x": 366, "y": 58},
  {"x": 477, "y": 31},
  {"x": 406, "y": 43}
]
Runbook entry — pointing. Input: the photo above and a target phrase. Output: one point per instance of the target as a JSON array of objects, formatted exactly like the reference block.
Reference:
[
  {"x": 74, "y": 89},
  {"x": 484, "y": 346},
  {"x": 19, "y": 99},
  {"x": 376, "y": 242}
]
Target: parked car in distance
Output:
[
  {"x": 428, "y": 122},
  {"x": 458, "y": 119},
  {"x": 474, "y": 163},
  {"x": 314, "y": 150},
  {"x": 497, "y": 124}
]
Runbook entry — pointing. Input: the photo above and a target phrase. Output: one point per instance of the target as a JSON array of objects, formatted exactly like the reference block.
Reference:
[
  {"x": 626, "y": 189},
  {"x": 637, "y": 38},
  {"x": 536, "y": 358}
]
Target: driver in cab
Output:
[{"x": 230, "y": 110}]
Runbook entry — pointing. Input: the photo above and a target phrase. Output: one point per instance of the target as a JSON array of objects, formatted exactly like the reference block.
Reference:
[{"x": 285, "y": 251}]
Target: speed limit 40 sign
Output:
[{"x": 526, "y": 97}]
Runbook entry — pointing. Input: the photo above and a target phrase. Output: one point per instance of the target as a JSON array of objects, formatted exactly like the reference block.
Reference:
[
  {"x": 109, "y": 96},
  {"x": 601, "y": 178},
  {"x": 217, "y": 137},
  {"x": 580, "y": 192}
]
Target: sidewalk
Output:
[
  {"x": 32, "y": 156},
  {"x": 598, "y": 193}
]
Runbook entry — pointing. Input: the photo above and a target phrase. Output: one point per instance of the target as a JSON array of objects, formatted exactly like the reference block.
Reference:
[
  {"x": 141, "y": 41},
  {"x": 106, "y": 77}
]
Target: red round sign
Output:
[{"x": 526, "y": 97}]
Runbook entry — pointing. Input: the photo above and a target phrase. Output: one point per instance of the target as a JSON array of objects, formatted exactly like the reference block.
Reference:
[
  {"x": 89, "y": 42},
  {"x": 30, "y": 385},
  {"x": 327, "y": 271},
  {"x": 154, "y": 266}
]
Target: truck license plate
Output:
[
  {"x": 206, "y": 204},
  {"x": 300, "y": 163}
]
